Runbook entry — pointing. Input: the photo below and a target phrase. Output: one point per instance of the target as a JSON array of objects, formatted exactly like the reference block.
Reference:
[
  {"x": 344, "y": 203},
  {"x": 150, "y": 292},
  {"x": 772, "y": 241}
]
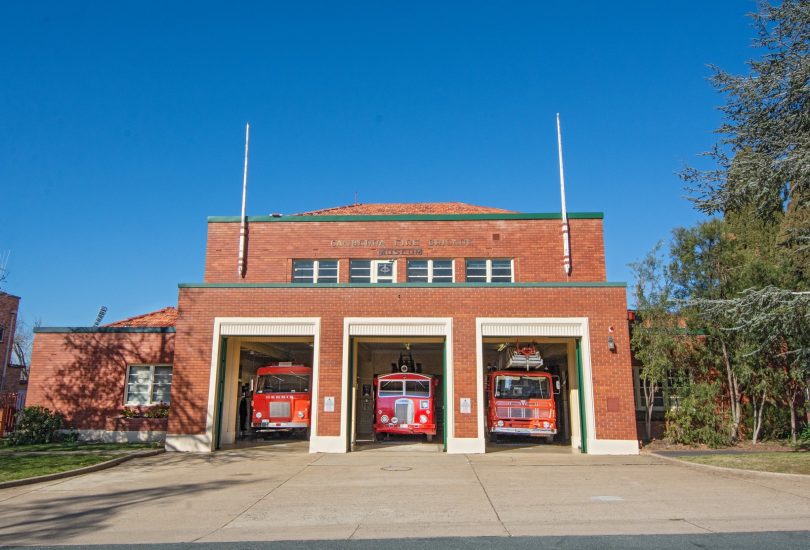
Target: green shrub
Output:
[
  {"x": 36, "y": 425},
  {"x": 697, "y": 420},
  {"x": 804, "y": 437}
]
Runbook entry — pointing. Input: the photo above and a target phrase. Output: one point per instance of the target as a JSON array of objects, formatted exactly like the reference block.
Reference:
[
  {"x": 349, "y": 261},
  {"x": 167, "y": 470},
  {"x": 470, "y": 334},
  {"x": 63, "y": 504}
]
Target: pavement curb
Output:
[
  {"x": 739, "y": 471},
  {"x": 79, "y": 471}
]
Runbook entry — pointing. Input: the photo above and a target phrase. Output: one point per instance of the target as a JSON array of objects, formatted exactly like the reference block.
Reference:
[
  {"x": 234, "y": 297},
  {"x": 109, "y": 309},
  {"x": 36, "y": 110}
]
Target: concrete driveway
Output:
[{"x": 280, "y": 492}]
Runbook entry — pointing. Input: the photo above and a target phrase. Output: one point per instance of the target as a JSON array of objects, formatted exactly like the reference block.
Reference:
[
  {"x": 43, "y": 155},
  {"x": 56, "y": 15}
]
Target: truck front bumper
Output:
[{"x": 523, "y": 431}]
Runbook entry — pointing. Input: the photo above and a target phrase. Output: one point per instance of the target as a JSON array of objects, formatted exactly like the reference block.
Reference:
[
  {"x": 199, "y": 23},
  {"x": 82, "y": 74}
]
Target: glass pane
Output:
[
  {"x": 477, "y": 271},
  {"x": 390, "y": 388},
  {"x": 137, "y": 394},
  {"x": 327, "y": 271},
  {"x": 501, "y": 271},
  {"x": 161, "y": 387},
  {"x": 360, "y": 271},
  {"x": 418, "y": 388},
  {"x": 385, "y": 270},
  {"x": 417, "y": 271},
  {"x": 303, "y": 271},
  {"x": 442, "y": 271},
  {"x": 283, "y": 383}
]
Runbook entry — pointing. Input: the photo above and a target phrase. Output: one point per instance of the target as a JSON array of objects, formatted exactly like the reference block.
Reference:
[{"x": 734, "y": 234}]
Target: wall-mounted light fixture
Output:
[{"x": 611, "y": 341}]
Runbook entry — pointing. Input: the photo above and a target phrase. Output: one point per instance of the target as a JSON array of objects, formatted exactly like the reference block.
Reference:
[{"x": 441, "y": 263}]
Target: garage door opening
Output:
[
  {"x": 266, "y": 390},
  {"x": 528, "y": 387},
  {"x": 397, "y": 394}
]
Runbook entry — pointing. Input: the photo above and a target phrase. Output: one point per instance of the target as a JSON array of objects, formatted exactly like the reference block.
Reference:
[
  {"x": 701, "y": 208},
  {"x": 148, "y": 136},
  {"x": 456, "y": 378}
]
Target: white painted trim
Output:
[
  {"x": 188, "y": 443},
  {"x": 115, "y": 436},
  {"x": 612, "y": 446},
  {"x": 327, "y": 444},
  {"x": 466, "y": 445},
  {"x": 398, "y": 326},
  {"x": 275, "y": 326}
]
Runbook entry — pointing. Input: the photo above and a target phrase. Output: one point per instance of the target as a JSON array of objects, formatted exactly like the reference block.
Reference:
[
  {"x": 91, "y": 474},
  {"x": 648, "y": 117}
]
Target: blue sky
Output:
[{"x": 122, "y": 124}]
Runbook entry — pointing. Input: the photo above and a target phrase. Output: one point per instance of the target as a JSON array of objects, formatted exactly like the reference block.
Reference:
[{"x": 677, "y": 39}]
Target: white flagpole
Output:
[
  {"x": 566, "y": 243},
  {"x": 242, "y": 228}
]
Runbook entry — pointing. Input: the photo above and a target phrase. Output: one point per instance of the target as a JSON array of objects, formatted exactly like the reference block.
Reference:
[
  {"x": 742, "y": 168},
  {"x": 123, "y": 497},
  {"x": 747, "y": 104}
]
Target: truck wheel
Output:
[
  {"x": 379, "y": 436},
  {"x": 429, "y": 438},
  {"x": 549, "y": 439},
  {"x": 493, "y": 438}
]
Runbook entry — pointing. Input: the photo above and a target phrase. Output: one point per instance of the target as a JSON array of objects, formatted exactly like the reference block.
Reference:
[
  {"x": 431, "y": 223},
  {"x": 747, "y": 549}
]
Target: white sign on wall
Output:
[
  {"x": 466, "y": 405},
  {"x": 329, "y": 404}
]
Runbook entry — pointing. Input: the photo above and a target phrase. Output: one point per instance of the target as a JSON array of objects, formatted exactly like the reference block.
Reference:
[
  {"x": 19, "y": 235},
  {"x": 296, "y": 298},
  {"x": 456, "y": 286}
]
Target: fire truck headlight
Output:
[
  {"x": 384, "y": 419},
  {"x": 500, "y": 423},
  {"x": 545, "y": 424},
  {"x": 395, "y": 420},
  {"x": 422, "y": 418},
  {"x": 258, "y": 415},
  {"x": 300, "y": 414}
]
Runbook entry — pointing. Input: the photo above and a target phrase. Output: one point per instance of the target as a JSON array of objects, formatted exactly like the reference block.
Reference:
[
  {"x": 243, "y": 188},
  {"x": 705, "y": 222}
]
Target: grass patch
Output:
[
  {"x": 76, "y": 446},
  {"x": 21, "y": 467},
  {"x": 786, "y": 463}
]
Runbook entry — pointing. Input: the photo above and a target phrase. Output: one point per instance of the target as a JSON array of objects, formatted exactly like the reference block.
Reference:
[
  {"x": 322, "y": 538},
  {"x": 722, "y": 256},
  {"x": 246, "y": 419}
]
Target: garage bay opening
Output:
[
  {"x": 266, "y": 391},
  {"x": 398, "y": 393},
  {"x": 528, "y": 385}
]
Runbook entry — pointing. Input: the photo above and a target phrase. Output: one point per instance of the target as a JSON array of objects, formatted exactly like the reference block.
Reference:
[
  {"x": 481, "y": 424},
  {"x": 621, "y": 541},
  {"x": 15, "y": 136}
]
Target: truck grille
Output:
[
  {"x": 522, "y": 412},
  {"x": 403, "y": 410},
  {"x": 279, "y": 409}
]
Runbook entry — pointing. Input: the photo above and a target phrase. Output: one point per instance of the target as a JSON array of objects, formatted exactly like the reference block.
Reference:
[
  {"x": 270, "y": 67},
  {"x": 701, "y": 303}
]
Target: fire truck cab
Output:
[
  {"x": 521, "y": 398},
  {"x": 405, "y": 404},
  {"x": 282, "y": 399}
]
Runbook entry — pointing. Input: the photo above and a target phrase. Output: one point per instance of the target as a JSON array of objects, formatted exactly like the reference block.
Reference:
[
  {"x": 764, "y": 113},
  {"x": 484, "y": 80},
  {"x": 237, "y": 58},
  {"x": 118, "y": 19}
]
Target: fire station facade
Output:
[{"x": 346, "y": 289}]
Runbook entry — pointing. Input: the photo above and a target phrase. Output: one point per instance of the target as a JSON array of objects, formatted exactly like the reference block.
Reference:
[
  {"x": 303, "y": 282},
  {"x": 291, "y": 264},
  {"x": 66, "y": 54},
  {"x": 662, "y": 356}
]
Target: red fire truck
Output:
[
  {"x": 405, "y": 404},
  {"x": 282, "y": 398},
  {"x": 521, "y": 400}
]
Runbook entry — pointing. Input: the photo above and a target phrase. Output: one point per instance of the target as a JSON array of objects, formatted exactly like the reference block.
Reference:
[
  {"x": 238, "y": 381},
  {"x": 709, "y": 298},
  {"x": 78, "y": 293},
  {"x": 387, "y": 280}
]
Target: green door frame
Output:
[
  {"x": 447, "y": 402},
  {"x": 583, "y": 425},
  {"x": 220, "y": 389}
]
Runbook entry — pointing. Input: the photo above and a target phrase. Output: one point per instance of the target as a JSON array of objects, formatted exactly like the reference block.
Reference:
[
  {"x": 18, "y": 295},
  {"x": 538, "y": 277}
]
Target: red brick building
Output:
[{"x": 345, "y": 291}]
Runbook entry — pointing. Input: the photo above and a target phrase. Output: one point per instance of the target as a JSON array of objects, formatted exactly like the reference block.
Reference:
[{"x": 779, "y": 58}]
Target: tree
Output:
[
  {"x": 656, "y": 336},
  {"x": 760, "y": 185}
]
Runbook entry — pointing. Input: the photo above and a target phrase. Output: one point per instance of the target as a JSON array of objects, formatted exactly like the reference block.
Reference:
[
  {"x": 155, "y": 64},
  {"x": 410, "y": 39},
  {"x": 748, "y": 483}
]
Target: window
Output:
[
  {"x": 148, "y": 384},
  {"x": 283, "y": 383},
  {"x": 315, "y": 271},
  {"x": 522, "y": 387},
  {"x": 665, "y": 395},
  {"x": 373, "y": 271},
  {"x": 390, "y": 388},
  {"x": 2, "y": 331},
  {"x": 430, "y": 271},
  {"x": 489, "y": 271}
]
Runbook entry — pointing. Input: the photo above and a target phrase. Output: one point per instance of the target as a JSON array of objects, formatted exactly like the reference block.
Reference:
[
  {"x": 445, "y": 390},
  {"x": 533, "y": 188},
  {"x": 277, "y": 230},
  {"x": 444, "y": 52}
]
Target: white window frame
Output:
[
  {"x": 373, "y": 278},
  {"x": 489, "y": 269},
  {"x": 152, "y": 367},
  {"x": 316, "y": 270},
  {"x": 430, "y": 268}
]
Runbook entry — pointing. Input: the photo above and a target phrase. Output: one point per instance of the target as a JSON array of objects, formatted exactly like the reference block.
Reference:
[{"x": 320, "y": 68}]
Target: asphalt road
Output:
[{"x": 741, "y": 541}]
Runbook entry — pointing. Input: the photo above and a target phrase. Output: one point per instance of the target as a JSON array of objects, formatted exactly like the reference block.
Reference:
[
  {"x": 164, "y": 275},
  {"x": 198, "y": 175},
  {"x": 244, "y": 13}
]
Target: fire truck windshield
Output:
[
  {"x": 522, "y": 387},
  {"x": 283, "y": 383},
  {"x": 413, "y": 388}
]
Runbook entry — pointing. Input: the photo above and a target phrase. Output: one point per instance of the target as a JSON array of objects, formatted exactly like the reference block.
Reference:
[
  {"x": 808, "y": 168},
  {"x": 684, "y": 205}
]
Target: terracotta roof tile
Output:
[
  {"x": 166, "y": 317},
  {"x": 400, "y": 208}
]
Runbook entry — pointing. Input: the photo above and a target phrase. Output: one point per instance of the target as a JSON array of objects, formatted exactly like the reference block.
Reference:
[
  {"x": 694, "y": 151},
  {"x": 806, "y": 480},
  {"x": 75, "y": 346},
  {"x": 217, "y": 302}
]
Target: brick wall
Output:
[
  {"x": 536, "y": 246},
  {"x": 83, "y": 375},
  {"x": 604, "y": 306}
]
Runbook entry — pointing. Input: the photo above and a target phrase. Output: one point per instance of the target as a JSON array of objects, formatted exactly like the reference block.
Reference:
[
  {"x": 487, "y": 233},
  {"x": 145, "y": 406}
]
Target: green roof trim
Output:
[
  {"x": 405, "y": 285},
  {"x": 104, "y": 330},
  {"x": 412, "y": 217}
]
